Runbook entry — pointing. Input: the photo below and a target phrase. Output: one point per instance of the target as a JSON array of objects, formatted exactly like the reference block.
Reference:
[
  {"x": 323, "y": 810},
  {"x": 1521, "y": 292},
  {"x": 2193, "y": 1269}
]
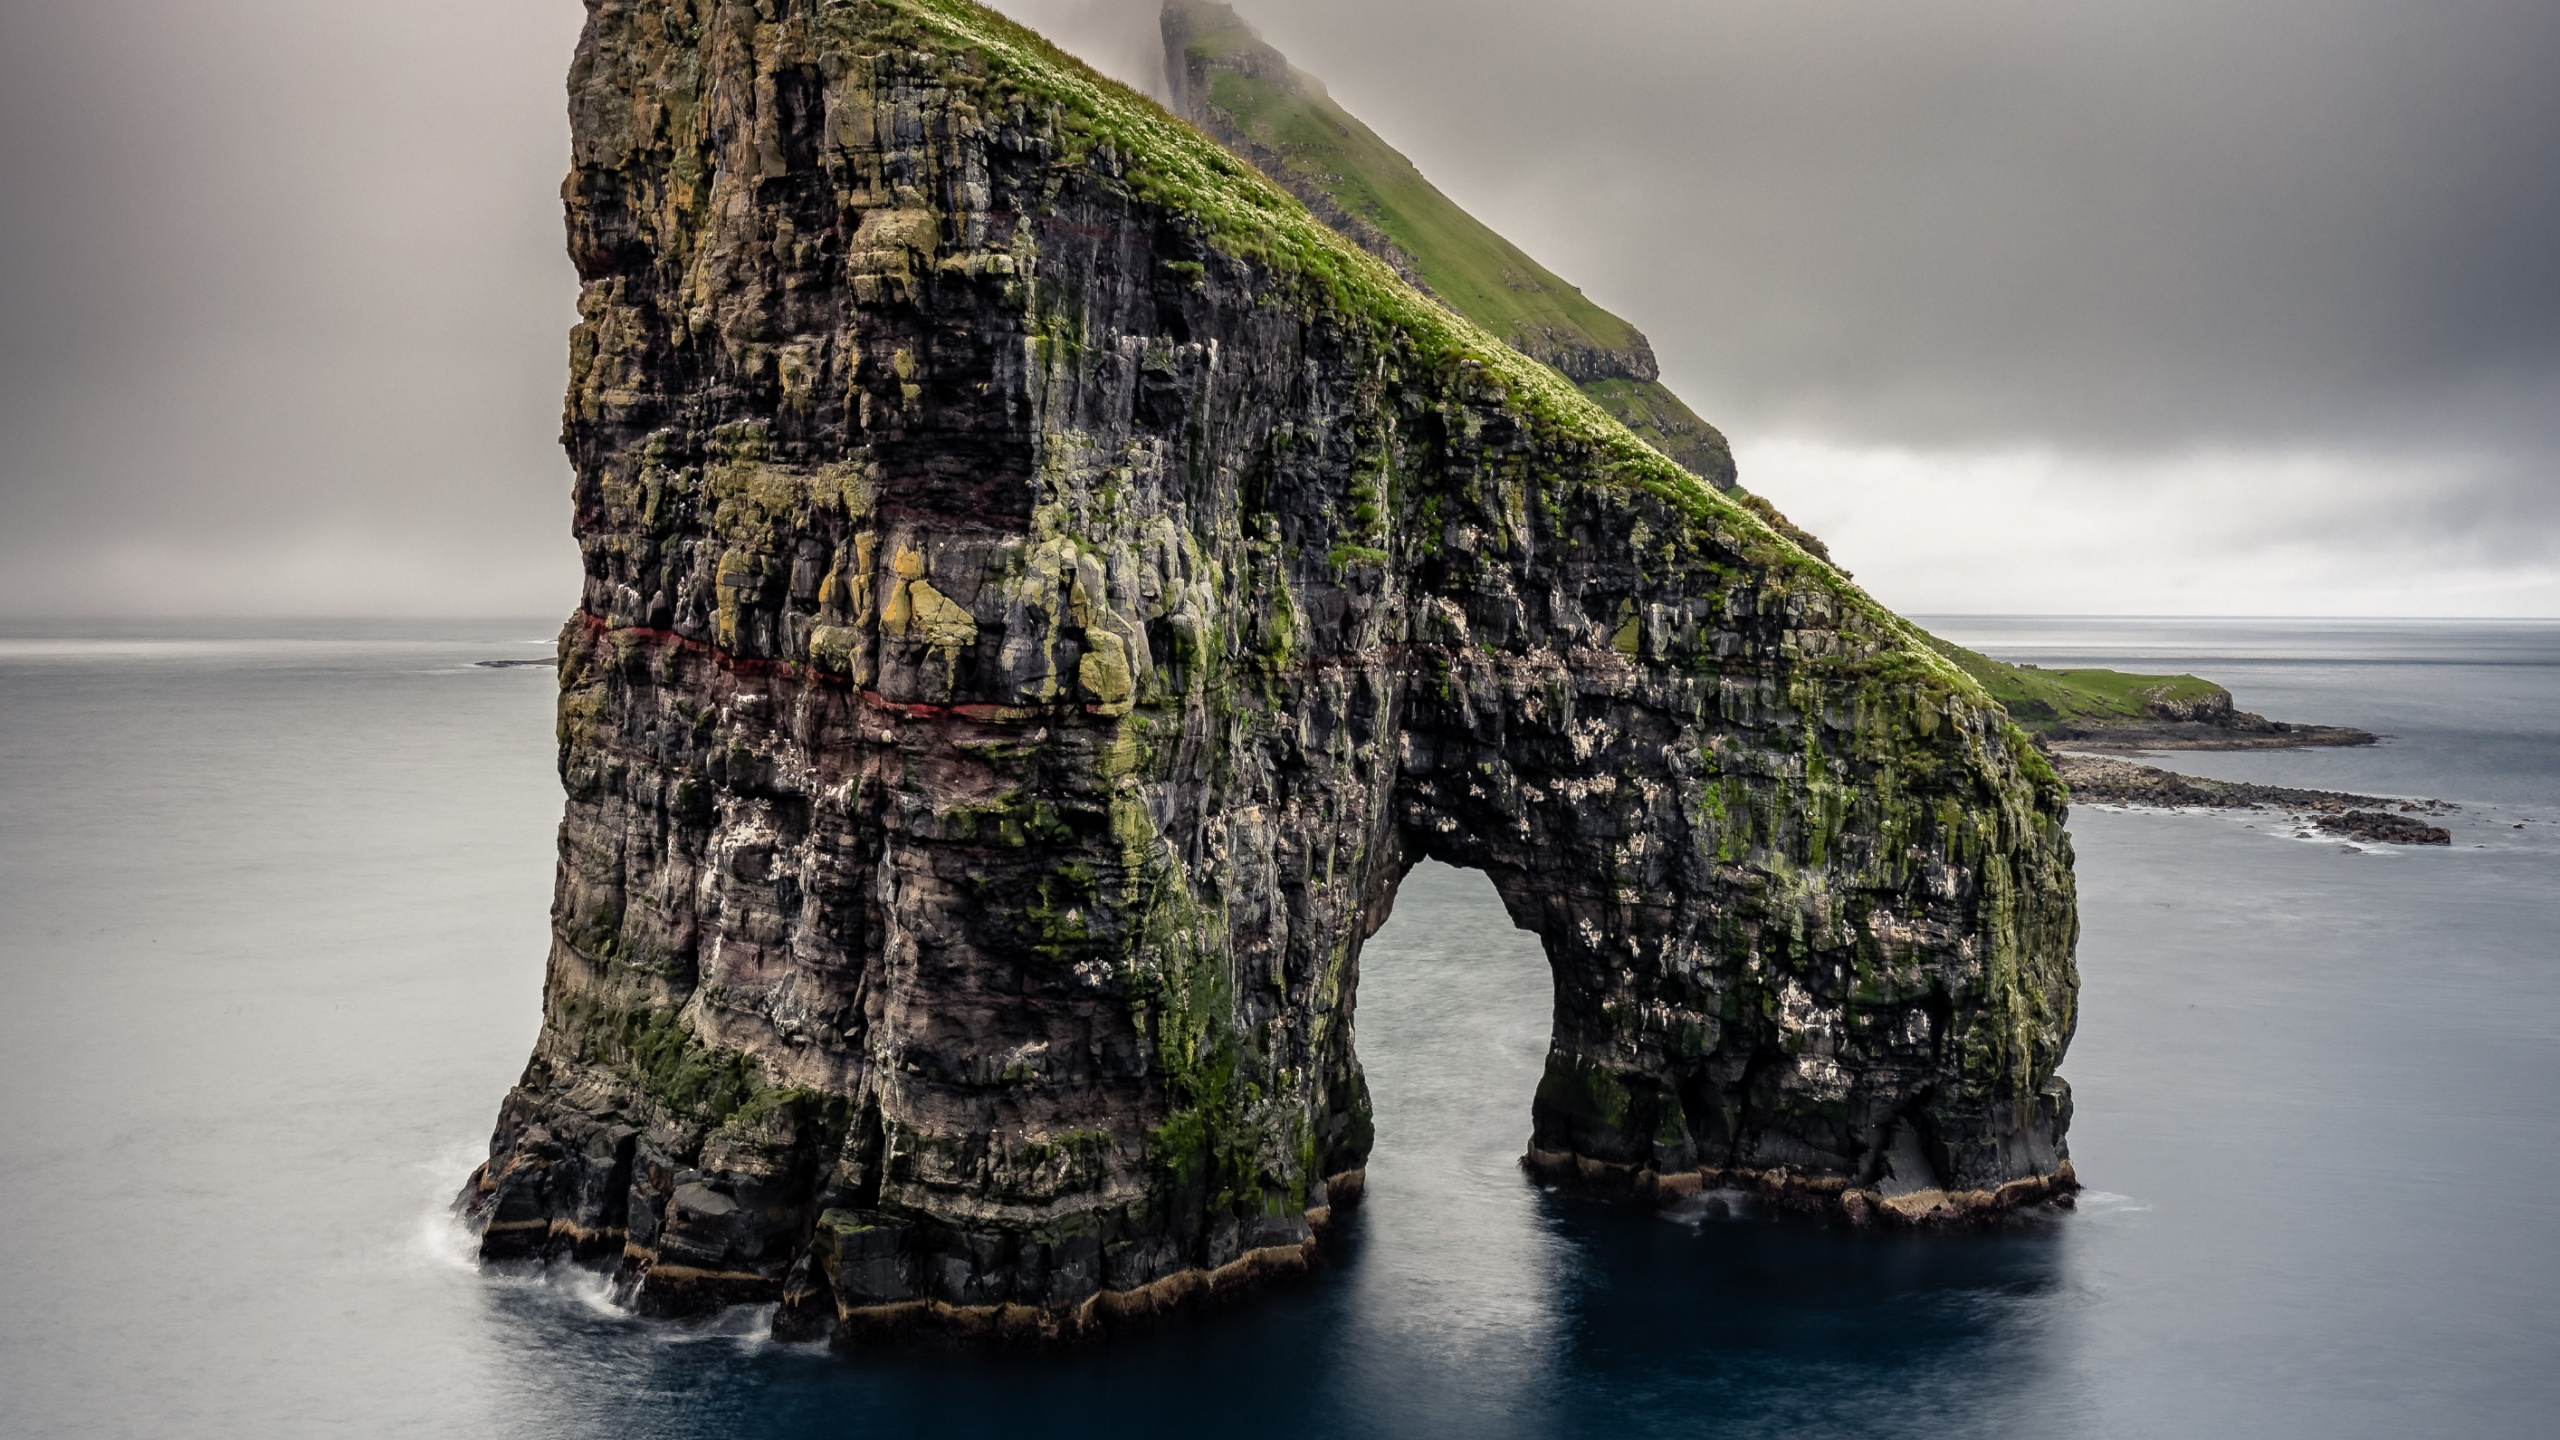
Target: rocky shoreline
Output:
[
  {"x": 2128, "y": 736},
  {"x": 2099, "y": 780},
  {"x": 1888, "y": 1199},
  {"x": 2207, "y": 722}
]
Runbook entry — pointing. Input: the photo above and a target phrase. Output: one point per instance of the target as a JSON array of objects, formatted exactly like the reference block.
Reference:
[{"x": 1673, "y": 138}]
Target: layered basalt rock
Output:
[{"x": 1043, "y": 589}]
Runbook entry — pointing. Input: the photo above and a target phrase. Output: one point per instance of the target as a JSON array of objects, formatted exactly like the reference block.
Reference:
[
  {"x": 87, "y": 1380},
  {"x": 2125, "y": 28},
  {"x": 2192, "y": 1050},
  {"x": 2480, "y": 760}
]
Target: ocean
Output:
[{"x": 273, "y": 909}]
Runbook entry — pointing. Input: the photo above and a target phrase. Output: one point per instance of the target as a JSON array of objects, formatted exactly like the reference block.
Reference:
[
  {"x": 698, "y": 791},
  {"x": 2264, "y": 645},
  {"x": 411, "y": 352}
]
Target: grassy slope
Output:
[
  {"x": 1667, "y": 424},
  {"x": 2038, "y": 698},
  {"x": 1472, "y": 269}
]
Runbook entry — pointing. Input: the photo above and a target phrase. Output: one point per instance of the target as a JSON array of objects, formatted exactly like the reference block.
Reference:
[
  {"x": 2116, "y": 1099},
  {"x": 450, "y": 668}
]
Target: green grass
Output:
[
  {"x": 1666, "y": 423},
  {"x": 1326, "y": 151},
  {"x": 2041, "y": 699},
  {"x": 1470, "y": 268}
]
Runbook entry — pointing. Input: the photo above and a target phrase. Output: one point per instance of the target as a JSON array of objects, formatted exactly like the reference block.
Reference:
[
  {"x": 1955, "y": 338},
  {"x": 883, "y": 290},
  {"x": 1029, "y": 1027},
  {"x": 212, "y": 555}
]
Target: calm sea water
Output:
[{"x": 272, "y": 909}]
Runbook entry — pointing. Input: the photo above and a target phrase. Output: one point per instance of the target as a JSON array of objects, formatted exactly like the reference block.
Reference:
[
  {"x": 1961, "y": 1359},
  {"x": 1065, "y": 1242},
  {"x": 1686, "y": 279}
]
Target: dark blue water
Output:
[{"x": 272, "y": 914}]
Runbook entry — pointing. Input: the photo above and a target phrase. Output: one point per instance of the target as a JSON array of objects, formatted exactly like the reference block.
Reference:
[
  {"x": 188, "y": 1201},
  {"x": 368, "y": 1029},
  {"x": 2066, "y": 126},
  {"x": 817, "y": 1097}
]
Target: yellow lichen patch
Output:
[
  {"x": 580, "y": 712},
  {"x": 1135, "y": 828},
  {"x": 886, "y": 253},
  {"x": 1123, "y": 756},
  {"x": 937, "y": 620},
  {"x": 605, "y": 350},
  {"x": 1629, "y": 638},
  {"x": 836, "y": 648},
  {"x": 866, "y": 555},
  {"x": 797, "y": 369},
  {"x": 853, "y": 485},
  {"x": 1104, "y": 672},
  {"x": 755, "y": 503},
  {"x": 898, "y": 611},
  {"x": 739, "y": 574}
]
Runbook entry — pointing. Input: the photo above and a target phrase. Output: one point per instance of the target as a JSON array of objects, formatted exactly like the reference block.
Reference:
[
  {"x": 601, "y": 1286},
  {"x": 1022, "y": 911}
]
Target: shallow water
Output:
[{"x": 272, "y": 909}]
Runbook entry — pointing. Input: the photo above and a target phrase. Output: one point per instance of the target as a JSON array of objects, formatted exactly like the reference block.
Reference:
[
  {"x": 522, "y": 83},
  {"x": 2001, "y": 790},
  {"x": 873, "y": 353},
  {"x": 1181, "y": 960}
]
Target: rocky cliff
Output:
[{"x": 1043, "y": 589}]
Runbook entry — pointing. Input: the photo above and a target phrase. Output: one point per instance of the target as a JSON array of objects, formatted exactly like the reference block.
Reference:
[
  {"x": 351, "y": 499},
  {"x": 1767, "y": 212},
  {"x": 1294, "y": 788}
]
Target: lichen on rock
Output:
[{"x": 1043, "y": 590}]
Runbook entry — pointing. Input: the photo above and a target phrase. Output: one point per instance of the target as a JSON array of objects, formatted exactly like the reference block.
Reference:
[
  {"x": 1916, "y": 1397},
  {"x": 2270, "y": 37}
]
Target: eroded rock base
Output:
[{"x": 1829, "y": 1197}]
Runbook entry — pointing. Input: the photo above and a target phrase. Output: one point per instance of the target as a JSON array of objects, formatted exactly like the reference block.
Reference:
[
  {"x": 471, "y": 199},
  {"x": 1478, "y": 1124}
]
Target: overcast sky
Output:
[{"x": 2158, "y": 307}]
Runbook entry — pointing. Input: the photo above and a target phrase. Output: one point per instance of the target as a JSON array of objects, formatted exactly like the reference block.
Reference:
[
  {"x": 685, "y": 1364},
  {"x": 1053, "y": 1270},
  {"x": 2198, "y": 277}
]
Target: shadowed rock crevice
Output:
[{"x": 1043, "y": 589}]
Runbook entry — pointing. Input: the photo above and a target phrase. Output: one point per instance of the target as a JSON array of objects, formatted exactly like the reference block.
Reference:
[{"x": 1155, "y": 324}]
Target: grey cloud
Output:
[
  {"x": 283, "y": 276},
  {"x": 281, "y": 279},
  {"x": 2120, "y": 225},
  {"x": 1120, "y": 38}
]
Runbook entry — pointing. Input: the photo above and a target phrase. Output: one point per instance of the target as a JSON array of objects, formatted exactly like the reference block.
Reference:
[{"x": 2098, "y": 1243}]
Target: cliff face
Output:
[{"x": 1042, "y": 591}]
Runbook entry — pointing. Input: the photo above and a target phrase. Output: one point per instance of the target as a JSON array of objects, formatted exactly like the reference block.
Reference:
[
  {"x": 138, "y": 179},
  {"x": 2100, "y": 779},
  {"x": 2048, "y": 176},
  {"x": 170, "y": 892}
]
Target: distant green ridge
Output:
[
  {"x": 1228, "y": 81},
  {"x": 2042, "y": 700}
]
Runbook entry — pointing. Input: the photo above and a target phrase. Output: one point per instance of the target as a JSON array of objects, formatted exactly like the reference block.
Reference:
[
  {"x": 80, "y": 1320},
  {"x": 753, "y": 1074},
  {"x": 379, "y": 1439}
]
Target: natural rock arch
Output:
[{"x": 1043, "y": 589}]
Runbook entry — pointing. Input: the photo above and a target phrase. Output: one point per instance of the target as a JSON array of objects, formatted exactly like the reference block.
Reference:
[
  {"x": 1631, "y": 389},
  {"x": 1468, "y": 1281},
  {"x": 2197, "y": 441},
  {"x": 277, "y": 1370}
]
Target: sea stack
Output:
[{"x": 1043, "y": 588}]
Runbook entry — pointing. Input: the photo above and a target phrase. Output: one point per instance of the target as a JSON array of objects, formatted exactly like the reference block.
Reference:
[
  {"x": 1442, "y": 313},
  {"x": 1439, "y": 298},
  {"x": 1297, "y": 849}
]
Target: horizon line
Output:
[{"x": 544, "y": 616}]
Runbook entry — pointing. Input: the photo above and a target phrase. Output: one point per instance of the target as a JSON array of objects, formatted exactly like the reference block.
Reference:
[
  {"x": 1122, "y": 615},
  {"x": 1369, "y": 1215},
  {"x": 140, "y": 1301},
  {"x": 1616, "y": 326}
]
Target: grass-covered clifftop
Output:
[
  {"x": 1232, "y": 83},
  {"x": 1465, "y": 263},
  {"x": 2041, "y": 700}
]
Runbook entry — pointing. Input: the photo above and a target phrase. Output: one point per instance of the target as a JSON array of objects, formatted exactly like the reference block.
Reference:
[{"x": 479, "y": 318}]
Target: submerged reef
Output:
[{"x": 1043, "y": 589}]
